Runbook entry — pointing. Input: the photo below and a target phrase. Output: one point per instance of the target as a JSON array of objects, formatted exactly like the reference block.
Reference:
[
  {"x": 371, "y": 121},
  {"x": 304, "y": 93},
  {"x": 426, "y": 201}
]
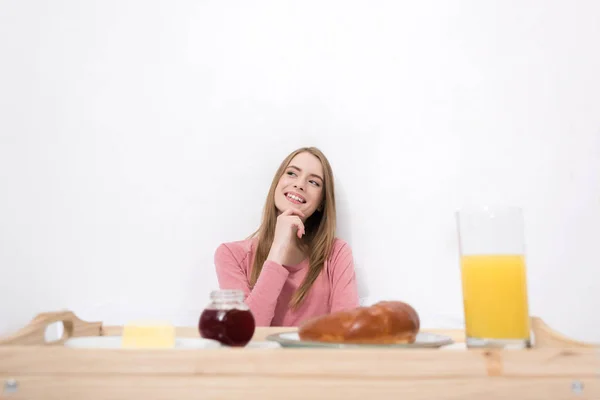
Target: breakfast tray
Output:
[{"x": 557, "y": 367}]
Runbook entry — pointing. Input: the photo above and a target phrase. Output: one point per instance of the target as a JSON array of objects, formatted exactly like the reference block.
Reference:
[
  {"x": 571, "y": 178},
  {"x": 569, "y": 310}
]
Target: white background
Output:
[{"x": 135, "y": 136}]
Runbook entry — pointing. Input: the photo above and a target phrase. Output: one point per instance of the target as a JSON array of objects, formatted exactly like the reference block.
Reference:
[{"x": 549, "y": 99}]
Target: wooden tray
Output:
[{"x": 557, "y": 367}]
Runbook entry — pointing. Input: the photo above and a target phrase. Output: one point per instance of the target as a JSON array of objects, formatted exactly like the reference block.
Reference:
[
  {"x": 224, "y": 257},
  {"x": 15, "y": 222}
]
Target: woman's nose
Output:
[{"x": 299, "y": 187}]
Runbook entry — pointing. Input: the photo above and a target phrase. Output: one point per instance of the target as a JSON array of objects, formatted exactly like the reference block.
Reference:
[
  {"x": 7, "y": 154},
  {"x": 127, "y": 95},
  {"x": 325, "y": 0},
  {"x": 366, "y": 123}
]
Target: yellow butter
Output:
[{"x": 148, "y": 335}]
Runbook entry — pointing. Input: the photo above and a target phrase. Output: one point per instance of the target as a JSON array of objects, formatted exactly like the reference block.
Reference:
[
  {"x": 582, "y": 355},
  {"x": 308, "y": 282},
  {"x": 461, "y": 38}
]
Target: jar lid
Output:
[{"x": 227, "y": 295}]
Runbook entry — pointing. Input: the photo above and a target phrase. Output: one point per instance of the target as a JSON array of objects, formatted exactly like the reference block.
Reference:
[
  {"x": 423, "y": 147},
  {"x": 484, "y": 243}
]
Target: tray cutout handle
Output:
[
  {"x": 546, "y": 337},
  {"x": 34, "y": 333}
]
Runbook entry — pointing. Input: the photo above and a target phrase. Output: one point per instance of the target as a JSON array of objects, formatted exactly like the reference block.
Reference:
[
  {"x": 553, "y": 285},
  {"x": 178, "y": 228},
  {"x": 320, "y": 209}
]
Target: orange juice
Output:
[{"x": 495, "y": 296}]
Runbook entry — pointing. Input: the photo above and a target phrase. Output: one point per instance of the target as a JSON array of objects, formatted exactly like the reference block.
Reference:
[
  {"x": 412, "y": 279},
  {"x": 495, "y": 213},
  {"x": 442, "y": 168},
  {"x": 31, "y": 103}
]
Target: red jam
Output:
[{"x": 230, "y": 327}]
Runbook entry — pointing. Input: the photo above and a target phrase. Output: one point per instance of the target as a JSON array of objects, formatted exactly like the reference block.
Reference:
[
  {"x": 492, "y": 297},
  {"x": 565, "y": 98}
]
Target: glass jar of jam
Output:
[{"x": 227, "y": 319}]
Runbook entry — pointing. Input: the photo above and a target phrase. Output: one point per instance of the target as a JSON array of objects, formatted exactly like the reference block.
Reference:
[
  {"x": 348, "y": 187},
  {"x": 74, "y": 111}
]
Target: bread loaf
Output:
[{"x": 386, "y": 322}]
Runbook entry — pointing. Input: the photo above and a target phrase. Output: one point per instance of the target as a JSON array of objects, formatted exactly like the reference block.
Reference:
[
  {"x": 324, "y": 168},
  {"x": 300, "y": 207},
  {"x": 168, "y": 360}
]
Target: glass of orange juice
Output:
[{"x": 494, "y": 276}]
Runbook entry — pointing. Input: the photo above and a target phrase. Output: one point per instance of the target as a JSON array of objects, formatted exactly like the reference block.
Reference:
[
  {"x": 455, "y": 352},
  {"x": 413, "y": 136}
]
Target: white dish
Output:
[
  {"x": 263, "y": 345},
  {"x": 423, "y": 340},
  {"x": 114, "y": 342}
]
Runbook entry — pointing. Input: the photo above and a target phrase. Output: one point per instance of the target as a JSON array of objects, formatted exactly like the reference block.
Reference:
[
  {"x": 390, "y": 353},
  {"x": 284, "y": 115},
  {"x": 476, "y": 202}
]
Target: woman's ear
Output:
[{"x": 320, "y": 208}]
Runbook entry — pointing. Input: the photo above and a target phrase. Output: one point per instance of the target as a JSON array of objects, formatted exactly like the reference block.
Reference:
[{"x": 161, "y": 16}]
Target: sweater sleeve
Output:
[
  {"x": 344, "y": 294},
  {"x": 262, "y": 299}
]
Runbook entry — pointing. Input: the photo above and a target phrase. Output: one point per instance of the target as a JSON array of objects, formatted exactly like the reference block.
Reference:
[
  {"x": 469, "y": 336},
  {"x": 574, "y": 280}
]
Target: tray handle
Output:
[
  {"x": 34, "y": 332},
  {"x": 546, "y": 337}
]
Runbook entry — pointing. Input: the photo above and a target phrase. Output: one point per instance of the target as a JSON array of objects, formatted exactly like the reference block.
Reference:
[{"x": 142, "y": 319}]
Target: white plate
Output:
[
  {"x": 423, "y": 340},
  {"x": 263, "y": 345},
  {"x": 114, "y": 342}
]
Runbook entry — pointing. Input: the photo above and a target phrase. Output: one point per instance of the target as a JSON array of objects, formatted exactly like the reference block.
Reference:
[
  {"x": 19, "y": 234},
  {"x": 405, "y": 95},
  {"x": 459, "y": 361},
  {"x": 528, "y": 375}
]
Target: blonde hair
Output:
[{"x": 320, "y": 227}]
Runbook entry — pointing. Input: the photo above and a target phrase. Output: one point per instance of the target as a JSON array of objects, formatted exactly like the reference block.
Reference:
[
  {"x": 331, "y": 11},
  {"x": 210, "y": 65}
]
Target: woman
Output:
[{"x": 293, "y": 267}]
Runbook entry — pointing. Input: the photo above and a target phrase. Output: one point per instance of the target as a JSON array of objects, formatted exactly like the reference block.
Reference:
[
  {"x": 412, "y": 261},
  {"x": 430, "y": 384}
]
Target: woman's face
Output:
[{"x": 301, "y": 185}]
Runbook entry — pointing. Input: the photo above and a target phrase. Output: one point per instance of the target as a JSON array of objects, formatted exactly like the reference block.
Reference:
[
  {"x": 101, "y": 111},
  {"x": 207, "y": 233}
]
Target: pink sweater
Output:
[{"x": 335, "y": 289}]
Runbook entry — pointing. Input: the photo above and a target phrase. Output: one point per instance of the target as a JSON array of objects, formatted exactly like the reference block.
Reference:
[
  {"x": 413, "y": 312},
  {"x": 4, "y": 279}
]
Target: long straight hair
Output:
[{"x": 320, "y": 227}]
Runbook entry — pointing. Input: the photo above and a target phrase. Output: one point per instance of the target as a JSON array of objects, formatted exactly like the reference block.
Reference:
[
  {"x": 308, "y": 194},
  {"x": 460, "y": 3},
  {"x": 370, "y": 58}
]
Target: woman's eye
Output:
[
  {"x": 290, "y": 173},
  {"x": 315, "y": 183}
]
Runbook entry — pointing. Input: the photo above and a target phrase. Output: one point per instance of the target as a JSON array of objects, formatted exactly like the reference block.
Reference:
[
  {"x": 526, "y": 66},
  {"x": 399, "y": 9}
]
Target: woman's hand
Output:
[{"x": 289, "y": 224}]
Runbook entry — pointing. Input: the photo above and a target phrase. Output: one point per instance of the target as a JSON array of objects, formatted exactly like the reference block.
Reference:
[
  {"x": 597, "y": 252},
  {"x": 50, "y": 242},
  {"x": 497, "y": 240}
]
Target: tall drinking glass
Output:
[{"x": 494, "y": 277}]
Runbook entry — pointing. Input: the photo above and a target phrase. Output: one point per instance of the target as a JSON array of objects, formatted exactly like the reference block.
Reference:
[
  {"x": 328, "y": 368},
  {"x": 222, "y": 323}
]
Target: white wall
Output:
[{"x": 137, "y": 136}]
